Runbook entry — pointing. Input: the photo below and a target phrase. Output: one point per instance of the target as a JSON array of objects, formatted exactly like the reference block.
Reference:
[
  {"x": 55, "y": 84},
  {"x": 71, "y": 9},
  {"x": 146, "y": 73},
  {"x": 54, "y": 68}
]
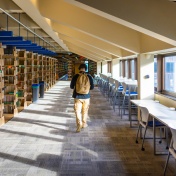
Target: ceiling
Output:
[{"x": 98, "y": 30}]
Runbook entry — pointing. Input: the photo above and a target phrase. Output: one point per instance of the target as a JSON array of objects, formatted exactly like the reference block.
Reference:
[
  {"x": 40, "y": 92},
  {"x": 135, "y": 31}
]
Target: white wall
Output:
[
  {"x": 115, "y": 68},
  {"x": 104, "y": 67},
  {"x": 145, "y": 85}
]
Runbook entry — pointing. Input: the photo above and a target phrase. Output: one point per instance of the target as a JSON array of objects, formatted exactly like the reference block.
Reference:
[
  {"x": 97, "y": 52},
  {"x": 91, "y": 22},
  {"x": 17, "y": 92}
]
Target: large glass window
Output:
[
  {"x": 170, "y": 73},
  {"x": 121, "y": 69},
  {"x": 126, "y": 69},
  {"x": 109, "y": 64},
  {"x": 87, "y": 63},
  {"x": 155, "y": 73},
  {"x": 132, "y": 70}
]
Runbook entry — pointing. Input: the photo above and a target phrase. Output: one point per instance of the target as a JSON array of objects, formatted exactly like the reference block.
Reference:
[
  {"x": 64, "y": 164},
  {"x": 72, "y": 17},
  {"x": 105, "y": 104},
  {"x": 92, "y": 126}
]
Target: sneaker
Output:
[
  {"x": 78, "y": 129},
  {"x": 84, "y": 126}
]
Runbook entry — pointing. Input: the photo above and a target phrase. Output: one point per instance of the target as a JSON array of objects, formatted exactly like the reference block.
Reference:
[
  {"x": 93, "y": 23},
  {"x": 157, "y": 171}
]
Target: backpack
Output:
[{"x": 82, "y": 84}]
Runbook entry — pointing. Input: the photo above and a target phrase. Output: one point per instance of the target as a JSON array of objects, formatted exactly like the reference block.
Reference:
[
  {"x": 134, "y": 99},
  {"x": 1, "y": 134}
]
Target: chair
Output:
[
  {"x": 112, "y": 96},
  {"x": 104, "y": 85},
  {"x": 117, "y": 94},
  {"x": 146, "y": 121},
  {"x": 96, "y": 79},
  {"x": 128, "y": 93},
  {"x": 172, "y": 150},
  {"x": 101, "y": 82},
  {"x": 111, "y": 86}
]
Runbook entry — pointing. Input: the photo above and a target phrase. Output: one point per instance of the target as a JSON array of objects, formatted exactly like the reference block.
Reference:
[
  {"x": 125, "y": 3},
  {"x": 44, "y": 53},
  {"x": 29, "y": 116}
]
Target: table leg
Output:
[
  {"x": 154, "y": 136},
  {"x": 129, "y": 109}
]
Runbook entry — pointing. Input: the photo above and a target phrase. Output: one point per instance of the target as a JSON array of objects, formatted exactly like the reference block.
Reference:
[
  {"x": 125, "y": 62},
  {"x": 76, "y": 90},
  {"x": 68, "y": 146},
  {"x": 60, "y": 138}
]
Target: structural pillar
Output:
[
  {"x": 145, "y": 63},
  {"x": 104, "y": 67},
  {"x": 115, "y": 68}
]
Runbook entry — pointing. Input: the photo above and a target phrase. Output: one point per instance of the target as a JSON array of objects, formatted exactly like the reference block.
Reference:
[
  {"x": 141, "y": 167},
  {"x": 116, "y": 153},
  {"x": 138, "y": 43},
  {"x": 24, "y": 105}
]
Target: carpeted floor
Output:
[{"x": 41, "y": 141}]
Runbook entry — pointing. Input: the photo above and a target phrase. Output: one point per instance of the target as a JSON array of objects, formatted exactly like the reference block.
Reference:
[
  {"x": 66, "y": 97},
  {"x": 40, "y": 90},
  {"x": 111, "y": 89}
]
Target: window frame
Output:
[
  {"x": 161, "y": 75},
  {"x": 129, "y": 67},
  {"x": 109, "y": 65}
]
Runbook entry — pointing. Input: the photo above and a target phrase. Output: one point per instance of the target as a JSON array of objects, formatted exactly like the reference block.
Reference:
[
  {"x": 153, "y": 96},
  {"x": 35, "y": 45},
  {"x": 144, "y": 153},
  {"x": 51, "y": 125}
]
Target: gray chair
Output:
[
  {"x": 104, "y": 85},
  {"x": 146, "y": 121},
  {"x": 129, "y": 92},
  {"x": 117, "y": 95},
  {"x": 111, "y": 88}
]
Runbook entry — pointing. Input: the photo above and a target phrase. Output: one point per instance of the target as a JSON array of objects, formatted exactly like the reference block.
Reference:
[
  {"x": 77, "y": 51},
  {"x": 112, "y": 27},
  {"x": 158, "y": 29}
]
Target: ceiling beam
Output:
[
  {"x": 90, "y": 24},
  {"x": 66, "y": 31},
  {"x": 154, "y": 18},
  {"x": 89, "y": 48},
  {"x": 85, "y": 54},
  {"x": 87, "y": 51}
]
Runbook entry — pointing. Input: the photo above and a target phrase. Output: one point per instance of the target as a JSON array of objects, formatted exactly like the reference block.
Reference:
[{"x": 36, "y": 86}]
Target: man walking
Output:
[{"x": 81, "y": 99}]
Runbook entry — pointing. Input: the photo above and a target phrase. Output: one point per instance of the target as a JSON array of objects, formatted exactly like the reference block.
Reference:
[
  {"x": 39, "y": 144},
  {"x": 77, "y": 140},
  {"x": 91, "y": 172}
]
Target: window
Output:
[
  {"x": 165, "y": 74},
  {"x": 87, "y": 64},
  {"x": 132, "y": 69},
  {"x": 170, "y": 73},
  {"x": 101, "y": 67},
  {"x": 109, "y": 64},
  {"x": 126, "y": 69},
  {"x": 121, "y": 69}
]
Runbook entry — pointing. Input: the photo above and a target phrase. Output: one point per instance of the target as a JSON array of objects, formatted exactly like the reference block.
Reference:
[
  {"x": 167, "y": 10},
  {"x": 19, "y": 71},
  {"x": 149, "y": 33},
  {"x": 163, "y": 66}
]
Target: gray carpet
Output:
[{"x": 41, "y": 141}]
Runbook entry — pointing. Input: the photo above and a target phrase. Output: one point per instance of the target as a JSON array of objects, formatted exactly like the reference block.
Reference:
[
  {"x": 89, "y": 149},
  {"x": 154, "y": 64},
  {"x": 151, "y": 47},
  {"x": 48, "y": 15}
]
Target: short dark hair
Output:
[{"x": 83, "y": 66}]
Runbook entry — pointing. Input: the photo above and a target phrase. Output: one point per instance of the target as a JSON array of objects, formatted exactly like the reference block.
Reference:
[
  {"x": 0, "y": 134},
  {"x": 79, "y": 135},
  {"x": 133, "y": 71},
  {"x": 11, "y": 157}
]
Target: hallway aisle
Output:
[{"x": 41, "y": 141}]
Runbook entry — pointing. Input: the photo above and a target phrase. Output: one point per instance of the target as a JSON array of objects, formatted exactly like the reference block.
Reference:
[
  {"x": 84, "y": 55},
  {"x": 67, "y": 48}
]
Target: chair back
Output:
[
  {"x": 144, "y": 114},
  {"x": 105, "y": 78},
  {"x": 173, "y": 131},
  {"x": 109, "y": 74},
  {"x": 124, "y": 88},
  {"x": 116, "y": 84},
  {"x": 111, "y": 84},
  {"x": 111, "y": 80},
  {"x": 100, "y": 75},
  {"x": 132, "y": 88}
]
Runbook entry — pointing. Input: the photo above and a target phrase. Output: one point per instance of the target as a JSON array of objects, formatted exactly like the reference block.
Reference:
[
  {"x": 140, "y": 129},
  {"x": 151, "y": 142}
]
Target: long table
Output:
[{"x": 159, "y": 112}]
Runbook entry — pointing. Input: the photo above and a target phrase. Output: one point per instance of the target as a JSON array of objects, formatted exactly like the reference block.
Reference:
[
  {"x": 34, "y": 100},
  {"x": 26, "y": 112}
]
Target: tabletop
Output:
[{"x": 160, "y": 112}]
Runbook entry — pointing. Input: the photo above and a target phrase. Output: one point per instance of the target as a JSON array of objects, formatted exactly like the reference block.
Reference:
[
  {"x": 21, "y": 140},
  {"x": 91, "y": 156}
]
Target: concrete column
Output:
[
  {"x": 104, "y": 67},
  {"x": 145, "y": 64},
  {"x": 115, "y": 68}
]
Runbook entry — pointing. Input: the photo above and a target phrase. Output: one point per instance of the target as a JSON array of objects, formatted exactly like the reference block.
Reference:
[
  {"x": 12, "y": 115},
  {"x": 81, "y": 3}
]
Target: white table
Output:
[
  {"x": 158, "y": 112},
  {"x": 128, "y": 82}
]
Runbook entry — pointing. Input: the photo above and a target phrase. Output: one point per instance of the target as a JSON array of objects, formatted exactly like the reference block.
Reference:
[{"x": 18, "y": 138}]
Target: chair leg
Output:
[
  {"x": 165, "y": 168},
  {"x": 122, "y": 106},
  {"x": 138, "y": 133},
  {"x": 141, "y": 133},
  {"x": 110, "y": 100},
  {"x": 113, "y": 102},
  {"x": 142, "y": 148},
  {"x": 167, "y": 140},
  {"x": 160, "y": 136},
  {"x": 175, "y": 168},
  {"x": 119, "y": 101}
]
